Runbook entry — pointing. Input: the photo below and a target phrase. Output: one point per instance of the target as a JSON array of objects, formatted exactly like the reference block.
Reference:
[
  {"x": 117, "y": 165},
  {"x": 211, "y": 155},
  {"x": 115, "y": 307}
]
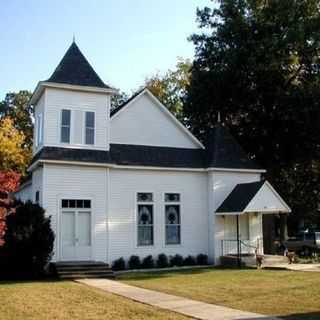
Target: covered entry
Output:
[{"x": 242, "y": 211}]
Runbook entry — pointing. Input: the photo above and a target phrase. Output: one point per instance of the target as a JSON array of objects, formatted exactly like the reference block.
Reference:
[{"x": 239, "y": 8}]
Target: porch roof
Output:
[{"x": 257, "y": 196}]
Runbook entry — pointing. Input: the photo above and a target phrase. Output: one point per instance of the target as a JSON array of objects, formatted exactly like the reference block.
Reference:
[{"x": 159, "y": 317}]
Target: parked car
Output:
[{"x": 304, "y": 243}]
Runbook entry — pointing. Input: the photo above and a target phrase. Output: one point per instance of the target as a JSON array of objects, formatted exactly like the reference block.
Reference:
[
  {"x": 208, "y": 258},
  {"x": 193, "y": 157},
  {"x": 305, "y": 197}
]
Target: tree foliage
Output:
[
  {"x": 28, "y": 241},
  {"x": 16, "y": 106},
  {"x": 258, "y": 64},
  {"x": 14, "y": 155},
  {"x": 170, "y": 88}
]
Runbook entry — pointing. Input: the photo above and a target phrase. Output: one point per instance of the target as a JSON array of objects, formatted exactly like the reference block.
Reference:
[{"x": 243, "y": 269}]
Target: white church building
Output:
[{"x": 135, "y": 181}]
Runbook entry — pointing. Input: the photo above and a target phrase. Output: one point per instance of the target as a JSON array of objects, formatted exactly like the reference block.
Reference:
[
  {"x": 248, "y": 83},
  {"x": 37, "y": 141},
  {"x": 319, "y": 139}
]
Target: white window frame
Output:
[
  {"x": 70, "y": 126},
  {"x": 39, "y": 130},
  {"x": 178, "y": 203},
  {"x": 92, "y": 128},
  {"x": 152, "y": 203}
]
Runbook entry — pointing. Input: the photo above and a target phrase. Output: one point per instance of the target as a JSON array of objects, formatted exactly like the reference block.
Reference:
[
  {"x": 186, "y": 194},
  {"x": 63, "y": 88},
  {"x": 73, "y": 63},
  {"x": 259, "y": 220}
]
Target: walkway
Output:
[
  {"x": 188, "y": 307},
  {"x": 310, "y": 267}
]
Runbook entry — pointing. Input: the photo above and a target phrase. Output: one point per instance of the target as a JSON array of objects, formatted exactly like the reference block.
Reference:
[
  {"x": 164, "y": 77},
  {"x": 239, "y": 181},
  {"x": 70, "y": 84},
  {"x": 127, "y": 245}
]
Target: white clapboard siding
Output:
[
  {"x": 39, "y": 108},
  {"x": 124, "y": 184},
  {"x": 77, "y": 102},
  {"x": 37, "y": 184},
  {"x": 143, "y": 122},
  {"x": 76, "y": 182},
  {"x": 222, "y": 183}
]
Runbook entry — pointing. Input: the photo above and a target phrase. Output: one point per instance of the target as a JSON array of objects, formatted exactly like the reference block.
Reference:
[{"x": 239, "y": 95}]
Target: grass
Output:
[
  {"x": 291, "y": 295},
  {"x": 69, "y": 300}
]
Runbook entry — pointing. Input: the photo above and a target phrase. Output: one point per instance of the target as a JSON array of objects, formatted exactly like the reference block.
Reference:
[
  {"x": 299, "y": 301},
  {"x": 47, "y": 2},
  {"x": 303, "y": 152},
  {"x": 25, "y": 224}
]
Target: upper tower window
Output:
[
  {"x": 89, "y": 130},
  {"x": 65, "y": 126},
  {"x": 39, "y": 132}
]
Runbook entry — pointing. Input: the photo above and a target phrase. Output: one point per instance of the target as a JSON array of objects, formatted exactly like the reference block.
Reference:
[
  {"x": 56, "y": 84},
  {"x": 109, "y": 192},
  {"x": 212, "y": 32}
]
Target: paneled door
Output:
[{"x": 75, "y": 232}]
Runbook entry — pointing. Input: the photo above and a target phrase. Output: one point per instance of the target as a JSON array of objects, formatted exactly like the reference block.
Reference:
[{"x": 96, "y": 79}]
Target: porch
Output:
[{"x": 239, "y": 218}]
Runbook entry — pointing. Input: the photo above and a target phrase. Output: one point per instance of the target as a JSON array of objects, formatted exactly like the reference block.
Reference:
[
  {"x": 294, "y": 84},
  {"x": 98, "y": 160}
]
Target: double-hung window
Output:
[
  {"x": 89, "y": 127},
  {"x": 65, "y": 126},
  {"x": 145, "y": 219},
  {"x": 172, "y": 218},
  {"x": 39, "y": 130}
]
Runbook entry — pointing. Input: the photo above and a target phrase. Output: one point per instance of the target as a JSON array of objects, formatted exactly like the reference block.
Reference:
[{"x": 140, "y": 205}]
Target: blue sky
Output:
[{"x": 124, "y": 40}]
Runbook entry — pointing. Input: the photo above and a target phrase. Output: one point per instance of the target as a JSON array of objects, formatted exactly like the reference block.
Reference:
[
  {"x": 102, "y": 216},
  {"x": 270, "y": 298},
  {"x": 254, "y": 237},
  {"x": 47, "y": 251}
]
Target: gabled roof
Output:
[
  {"x": 74, "y": 69},
  {"x": 145, "y": 91},
  {"x": 223, "y": 151},
  {"x": 240, "y": 197},
  {"x": 257, "y": 196}
]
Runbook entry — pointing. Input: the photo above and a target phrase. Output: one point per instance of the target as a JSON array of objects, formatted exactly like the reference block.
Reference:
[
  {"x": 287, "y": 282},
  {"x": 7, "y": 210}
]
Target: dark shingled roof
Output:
[
  {"x": 75, "y": 69},
  {"x": 240, "y": 197},
  {"x": 134, "y": 155},
  {"x": 139, "y": 155},
  {"x": 68, "y": 154},
  {"x": 223, "y": 151}
]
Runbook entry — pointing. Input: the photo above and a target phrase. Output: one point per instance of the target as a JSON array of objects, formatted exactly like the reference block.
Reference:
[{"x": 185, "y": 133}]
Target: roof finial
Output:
[
  {"x": 74, "y": 38},
  {"x": 219, "y": 117}
]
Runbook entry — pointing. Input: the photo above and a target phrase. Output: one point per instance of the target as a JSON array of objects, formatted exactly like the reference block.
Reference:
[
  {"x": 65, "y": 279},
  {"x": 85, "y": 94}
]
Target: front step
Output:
[{"x": 80, "y": 270}]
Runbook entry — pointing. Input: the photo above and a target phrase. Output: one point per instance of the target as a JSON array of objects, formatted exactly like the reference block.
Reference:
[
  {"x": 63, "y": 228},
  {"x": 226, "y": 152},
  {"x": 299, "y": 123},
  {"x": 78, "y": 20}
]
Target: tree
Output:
[
  {"x": 118, "y": 99},
  {"x": 14, "y": 154},
  {"x": 9, "y": 182},
  {"x": 258, "y": 63},
  {"x": 17, "y": 107},
  {"x": 170, "y": 88}
]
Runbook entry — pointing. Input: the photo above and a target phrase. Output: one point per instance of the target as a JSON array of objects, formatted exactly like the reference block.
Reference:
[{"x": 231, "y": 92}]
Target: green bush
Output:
[
  {"x": 28, "y": 242},
  {"x": 162, "y": 261},
  {"x": 134, "y": 262},
  {"x": 190, "y": 261},
  {"x": 176, "y": 260},
  {"x": 119, "y": 264},
  {"x": 147, "y": 262},
  {"x": 202, "y": 259}
]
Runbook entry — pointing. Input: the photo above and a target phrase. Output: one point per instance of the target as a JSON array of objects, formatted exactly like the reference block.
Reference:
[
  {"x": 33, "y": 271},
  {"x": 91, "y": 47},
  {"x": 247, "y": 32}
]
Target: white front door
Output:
[{"x": 75, "y": 233}]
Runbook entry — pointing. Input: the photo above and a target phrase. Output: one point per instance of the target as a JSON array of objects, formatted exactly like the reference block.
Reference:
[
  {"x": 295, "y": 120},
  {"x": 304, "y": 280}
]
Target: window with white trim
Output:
[
  {"x": 39, "y": 129},
  {"x": 89, "y": 127},
  {"x": 65, "y": 126},
  {"x": 172, "y": 218},
  {"x": 145, "y": 218}
]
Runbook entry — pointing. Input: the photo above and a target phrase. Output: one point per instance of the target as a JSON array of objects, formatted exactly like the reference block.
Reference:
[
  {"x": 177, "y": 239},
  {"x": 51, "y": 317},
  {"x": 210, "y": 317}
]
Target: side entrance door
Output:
[{"x": 75, "y": 226}]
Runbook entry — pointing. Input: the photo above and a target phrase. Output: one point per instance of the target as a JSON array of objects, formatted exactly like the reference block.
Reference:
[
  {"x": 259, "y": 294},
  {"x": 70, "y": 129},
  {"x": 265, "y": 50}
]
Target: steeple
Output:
[{"x": 75, "y": 69}]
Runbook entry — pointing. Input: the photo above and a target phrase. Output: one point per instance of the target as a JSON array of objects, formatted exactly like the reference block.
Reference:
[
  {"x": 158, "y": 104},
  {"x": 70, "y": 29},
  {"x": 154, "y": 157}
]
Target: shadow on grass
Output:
[
  {"x": 28, "y": 281},
  {"x": 302, "y": 316}
]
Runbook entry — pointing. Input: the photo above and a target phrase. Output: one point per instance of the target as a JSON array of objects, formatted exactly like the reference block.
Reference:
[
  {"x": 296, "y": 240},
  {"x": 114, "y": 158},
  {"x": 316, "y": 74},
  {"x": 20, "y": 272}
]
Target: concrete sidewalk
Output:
[{"x": 188, "y": 307}]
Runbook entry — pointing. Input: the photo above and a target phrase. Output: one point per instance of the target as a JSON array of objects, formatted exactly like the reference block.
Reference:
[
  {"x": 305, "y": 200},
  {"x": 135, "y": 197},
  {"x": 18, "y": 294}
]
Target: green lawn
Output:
[
  {"x": 69, "y": 300},
  {"x": 291, "y": 295}
]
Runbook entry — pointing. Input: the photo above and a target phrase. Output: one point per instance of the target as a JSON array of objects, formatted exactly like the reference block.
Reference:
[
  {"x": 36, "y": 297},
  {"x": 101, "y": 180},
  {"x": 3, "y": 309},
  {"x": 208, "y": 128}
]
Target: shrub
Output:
[
  {"x": 28, "y": 241},
  {"x": 147, "y": 262},
  {"x": 190, "y": 261},
  {"x": 176, "y": 260},
  {"x": 134, "y": 262},
  {"x": 202, "y": 259},
  {"x": 162, "y": 261},
  {"x": 119, "y": 264}
]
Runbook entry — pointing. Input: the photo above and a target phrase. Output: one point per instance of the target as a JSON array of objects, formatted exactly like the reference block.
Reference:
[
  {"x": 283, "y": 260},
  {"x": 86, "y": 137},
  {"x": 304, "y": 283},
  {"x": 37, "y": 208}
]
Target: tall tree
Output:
[
  {"x": 258, "y": 64},
  {"x": 16, "y": 106},
  {"x": 170, "y": 88},
  {"x": 14, "y": 155}
]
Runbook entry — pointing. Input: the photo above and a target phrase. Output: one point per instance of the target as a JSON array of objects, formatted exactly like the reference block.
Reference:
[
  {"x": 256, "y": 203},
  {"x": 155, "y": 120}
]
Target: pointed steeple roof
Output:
[
  {"x": 75, "y": 69},
  {"x": 223, "y": 151}
]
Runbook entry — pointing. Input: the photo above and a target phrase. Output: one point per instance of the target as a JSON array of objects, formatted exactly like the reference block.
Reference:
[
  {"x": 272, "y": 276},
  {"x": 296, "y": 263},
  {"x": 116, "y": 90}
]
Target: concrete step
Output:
[{"x": 80, "y": 270}]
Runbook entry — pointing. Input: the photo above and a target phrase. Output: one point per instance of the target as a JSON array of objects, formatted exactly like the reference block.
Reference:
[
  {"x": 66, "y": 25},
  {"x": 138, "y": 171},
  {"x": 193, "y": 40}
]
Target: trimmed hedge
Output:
[
  {"x": 190, "y": 261},
  {"x": 176, "y": 261},
  {"x": 162, "y": 261},
  {"x": 134, "y": 262},
  {"x": 147, "y": 262},
  {"x": 202, "y": 259},
  {"x": 119, "y": 264}
]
